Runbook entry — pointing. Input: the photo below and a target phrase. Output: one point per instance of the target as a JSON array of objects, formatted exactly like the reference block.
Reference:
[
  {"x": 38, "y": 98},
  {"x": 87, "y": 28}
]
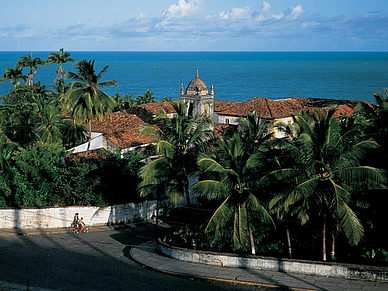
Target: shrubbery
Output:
[{"x": 39, "y": 175}]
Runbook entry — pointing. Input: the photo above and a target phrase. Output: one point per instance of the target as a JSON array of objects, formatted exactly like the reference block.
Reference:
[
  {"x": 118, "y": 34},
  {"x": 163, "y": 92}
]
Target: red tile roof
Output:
[
  {"x": 122, "y": 129},
  {"x": 220, "y": 128},
  {"x": 148, "y": 111},
  {"x": 93, "y": 154},
  {"x": 279, "y": 108}
]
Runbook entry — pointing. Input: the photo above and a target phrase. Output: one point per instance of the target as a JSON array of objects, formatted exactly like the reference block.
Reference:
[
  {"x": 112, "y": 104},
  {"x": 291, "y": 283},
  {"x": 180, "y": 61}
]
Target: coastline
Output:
[{"x": 236, "y": 76}]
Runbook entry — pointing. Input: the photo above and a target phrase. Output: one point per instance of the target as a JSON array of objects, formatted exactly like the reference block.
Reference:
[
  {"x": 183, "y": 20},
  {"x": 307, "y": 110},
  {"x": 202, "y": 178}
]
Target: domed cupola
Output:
[
  {"x": 197, "y": 94},
  {"x": 197, "y": 87}
]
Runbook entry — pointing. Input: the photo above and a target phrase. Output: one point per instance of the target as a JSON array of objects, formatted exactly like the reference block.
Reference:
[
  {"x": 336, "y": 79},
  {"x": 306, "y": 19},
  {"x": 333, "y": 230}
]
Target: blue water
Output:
[{"x": 236, "y": 76}]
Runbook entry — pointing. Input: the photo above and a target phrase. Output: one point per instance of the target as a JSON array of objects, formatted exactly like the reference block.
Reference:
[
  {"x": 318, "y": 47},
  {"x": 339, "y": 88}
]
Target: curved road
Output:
[{"x": 92, "y": 261}]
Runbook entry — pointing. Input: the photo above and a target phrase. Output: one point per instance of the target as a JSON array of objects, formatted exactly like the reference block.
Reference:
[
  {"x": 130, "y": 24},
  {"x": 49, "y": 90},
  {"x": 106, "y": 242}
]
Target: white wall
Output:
[
  {"x": 54, "y": 217},
  {"x": 232, "y": 119}
]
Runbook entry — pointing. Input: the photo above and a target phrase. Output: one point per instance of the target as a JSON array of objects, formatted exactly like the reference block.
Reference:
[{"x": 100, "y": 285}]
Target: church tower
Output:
[{"x": 198, "y": 94}]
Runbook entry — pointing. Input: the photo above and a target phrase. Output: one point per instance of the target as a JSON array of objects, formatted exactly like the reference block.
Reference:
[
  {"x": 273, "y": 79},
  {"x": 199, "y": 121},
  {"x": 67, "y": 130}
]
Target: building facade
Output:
[{"x": 198, "y": 95}]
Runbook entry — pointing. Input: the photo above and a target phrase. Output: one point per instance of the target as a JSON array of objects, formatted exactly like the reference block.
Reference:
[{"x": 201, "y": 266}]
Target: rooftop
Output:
[
  {"x": 273, "y": 109},
  {"x": 122, "y": 128}
]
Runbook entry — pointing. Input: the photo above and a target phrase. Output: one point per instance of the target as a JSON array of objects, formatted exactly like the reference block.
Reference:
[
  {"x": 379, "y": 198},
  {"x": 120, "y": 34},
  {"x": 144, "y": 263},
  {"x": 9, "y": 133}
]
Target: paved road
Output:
[{"x": 92, "y": 261}]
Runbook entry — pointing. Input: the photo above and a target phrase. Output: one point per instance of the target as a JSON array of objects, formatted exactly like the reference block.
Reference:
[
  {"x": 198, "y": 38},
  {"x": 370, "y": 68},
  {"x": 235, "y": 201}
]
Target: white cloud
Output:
[
  {"x": 186, "y": 25},
  {"x": 183, "y": 8},
  {"x": 295, "y": 12},
  {"x": 236, "y": 13},
  {"x": 264, "y": 13},
  {"x": 19, "y": 31}
]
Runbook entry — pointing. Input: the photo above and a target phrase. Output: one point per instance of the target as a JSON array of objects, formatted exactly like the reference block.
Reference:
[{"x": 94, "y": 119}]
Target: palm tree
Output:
[
  {"x": 32, "y": 63},
  {"x": 58, "y": 93},
  {"x": 376, "y": 126},
  {"x": 141, "y": 99},
  {"x": 49, "y": 127},
  {"x": 238, "y": 182},
  {"x": 86, "y": 99},
  {"x": 123, "y": 102},
  {"x": 59, "y": 58},
  {"x": 183, "y": 137},
  {"x": 146, "y": 98},
  {"x": 6, "y": 148},
  {"x": 323, "y": 173},
  {"x": 73, "y": 132},
  {"x": 14, "y": 76},
  {"x": 254, "y": 130},
  {"x": 166, "y": 99},
  {"x": 149, "y": 96},
  {"x": 24, "y": 125}
]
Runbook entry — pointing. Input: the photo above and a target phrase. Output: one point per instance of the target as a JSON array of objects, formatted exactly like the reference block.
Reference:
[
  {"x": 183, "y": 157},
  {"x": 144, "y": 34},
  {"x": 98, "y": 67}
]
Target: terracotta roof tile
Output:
[
  {"x": 122, "y": 129},
  {"x": 148, "y": 111},
  {"x": 279, "y": 108},
  {"x": 93, "y": 154},
  {"x": 220, "y": 128}
]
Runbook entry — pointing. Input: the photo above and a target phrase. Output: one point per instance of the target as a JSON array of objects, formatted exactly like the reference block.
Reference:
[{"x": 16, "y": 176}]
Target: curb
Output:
[{"x": 184, "y": 275}]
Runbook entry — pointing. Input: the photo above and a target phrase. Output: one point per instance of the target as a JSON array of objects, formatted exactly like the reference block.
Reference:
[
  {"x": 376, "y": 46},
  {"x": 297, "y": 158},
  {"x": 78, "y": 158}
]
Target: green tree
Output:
[
  {"x": 86, "y": 99},
  {"x": 80, "y": 186},
  {"x": 123, "y": 102},
  {"x": 237, "y": 183},
  {"x": 147, "y": 97},
  {"x": 36, "y": 176},
  {"x": 166, "y": 99},
  {"x": 376, "y": 127},
  {"x": 58, "y": 92},
  {"x": 14, "y": 75},
  {"x": 254, "y": 130},
  {"x": 178, "y": 145},
  {"x": 32, "y": 63},
  {"x": 59, "y": 58},
  {"x": 73, "y": 132},
  {"x": 49, "y": 128},
  {"x": 322, "y": 174},
  {"x": 24, "y": 107}
]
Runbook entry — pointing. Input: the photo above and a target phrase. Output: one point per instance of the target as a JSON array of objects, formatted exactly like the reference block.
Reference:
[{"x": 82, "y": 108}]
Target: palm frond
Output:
[
  {"x": 164, "y": 147},
  {"x": 240, "y": 231},
  {"x": 349, "y": 224},
  {"x": 352, "y": 175},
  {"x": 221, "y": 216},
  {"x": 211, "y": 188},
  {"x": 254, "y": 204},
  {"x": 209, "y": 164}
]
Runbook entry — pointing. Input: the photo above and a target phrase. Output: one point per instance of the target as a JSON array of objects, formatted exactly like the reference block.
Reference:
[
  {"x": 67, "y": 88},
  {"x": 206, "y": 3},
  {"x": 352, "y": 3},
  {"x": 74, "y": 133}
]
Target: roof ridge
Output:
[{"x": 269, "y": 108}]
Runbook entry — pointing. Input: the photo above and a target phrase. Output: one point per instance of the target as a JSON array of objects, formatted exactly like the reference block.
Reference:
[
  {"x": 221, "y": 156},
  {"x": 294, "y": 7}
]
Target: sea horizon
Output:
[{"x": 235, "y": 75}]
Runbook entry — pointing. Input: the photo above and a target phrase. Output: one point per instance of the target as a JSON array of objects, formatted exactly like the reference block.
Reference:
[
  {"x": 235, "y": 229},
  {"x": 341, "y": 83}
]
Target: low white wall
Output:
[
  {"x": 274, "y": 264},
  {"x": 54, "y": 217}
]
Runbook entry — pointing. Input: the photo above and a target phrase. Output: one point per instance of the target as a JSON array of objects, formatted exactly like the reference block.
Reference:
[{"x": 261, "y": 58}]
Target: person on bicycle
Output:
[{"x": 81, "y": 224}]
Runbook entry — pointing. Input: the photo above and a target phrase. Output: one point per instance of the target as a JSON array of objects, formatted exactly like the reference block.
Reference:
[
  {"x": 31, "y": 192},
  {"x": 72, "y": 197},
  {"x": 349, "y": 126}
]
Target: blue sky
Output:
[{"x": 194, "y": 25}]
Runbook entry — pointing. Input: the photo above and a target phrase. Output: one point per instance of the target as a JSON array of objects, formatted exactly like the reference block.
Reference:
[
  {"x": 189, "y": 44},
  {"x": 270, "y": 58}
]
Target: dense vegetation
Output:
[
  {"x": 39, "y": 125},
  {"x": 313, "y": 193},
  {"x": 318, "y": 186}
]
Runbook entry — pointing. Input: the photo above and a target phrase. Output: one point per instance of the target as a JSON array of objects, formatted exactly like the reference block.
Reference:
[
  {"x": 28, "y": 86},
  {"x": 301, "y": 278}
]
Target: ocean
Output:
[{"x": 236, "y": 76}]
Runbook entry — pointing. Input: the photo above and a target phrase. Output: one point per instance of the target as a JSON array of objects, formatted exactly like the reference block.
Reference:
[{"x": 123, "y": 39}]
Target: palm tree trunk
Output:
[
  {"x": 333, "y": 235},
  {"x": 253, "y": 250},
  {"x": 30, "y": 77},
  {"x": 324, "y": 238},
  {"x": 332, "y": 246},
  {"x": 289, "y": 241},
  {"x": 89, "y": 142},
  {"x": 157, "y": 216},
  {"x": 187, "y": 194}
]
